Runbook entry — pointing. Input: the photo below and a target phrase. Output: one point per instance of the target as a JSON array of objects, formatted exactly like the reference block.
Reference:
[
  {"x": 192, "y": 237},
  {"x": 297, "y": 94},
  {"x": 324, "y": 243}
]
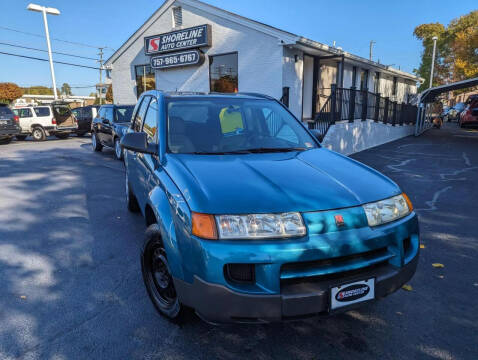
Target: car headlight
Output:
[
  {"x": 384, "y": 211},
  {"x": 260, "y": 226},
  {"x": 253, "y": 226}
]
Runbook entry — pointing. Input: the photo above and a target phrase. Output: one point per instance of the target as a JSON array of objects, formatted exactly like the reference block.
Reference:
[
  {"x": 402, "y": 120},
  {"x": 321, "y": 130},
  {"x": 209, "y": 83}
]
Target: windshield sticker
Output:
[{"x": 231, "y": 120}]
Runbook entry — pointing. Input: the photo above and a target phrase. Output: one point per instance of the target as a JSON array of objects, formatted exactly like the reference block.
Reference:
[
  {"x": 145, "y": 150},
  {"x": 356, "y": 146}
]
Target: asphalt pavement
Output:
[{"x": 71, "y": 287}]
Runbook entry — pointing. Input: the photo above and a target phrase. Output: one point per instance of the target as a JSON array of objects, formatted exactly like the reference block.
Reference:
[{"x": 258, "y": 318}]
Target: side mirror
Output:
[
  {"x": 138, "y": 142},
  {"x": 318, "y": 135}
]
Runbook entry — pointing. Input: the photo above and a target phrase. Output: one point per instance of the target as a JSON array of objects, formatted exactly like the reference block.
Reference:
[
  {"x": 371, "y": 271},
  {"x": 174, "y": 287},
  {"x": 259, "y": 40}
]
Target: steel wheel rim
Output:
[
  {"x": 37, "y": 134},
  {"x": 160, "y": 279}
]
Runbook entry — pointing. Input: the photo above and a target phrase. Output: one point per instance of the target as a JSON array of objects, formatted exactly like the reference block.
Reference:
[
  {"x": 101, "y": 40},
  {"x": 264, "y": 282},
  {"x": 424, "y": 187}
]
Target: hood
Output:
[{"x": 312, "y": 180}]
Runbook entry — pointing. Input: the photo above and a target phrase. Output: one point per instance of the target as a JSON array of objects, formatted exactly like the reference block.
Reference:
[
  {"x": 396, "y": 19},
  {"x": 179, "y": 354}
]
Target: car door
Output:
[
  {"x": 26, "y": 119},
  {"x": 148, "y": 163},
  {"x": 107, "y": 126},
  {"x": 131, "y": 161}
]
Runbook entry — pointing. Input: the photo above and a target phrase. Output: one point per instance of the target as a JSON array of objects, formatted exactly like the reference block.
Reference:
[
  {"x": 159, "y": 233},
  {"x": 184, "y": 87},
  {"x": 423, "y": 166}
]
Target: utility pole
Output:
[
  {"x": 371, "y": 49},
  {"x": 101, "y": 74},
  {"x": 433, "y": 60}
]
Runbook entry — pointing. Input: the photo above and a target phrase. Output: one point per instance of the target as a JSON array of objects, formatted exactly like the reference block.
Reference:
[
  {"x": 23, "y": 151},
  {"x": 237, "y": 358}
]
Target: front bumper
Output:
[
  {"x": 219, "y": 304},
  {"x": 292, "y": 278},
  {"x": 9, "y": 132}
]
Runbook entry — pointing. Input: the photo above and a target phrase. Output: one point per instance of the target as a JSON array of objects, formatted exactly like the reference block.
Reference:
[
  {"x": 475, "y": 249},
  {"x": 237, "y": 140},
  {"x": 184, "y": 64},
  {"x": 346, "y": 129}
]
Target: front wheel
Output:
[
  {"x": 118, "y": 150},
  {"x": 158, "y": 278},
  {"x": 95, "y": 142},
  {"x": 131, "y": 201}
]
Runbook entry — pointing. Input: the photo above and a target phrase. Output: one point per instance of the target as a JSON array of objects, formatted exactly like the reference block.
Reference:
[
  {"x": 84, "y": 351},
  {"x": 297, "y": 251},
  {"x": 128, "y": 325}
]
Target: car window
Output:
[
  {"x": 42, "y": 111},
  {"x": 5, "y": 112},
  {"x": 138, "y": 120},
  {"x": 101, "y": 113},
  {"x": 24, "y": 113},
  {"x": 109, "y": 114},
  {"x": 62, "y": 110},
  {"x": 150, "y": 125},
  {"x": 124, "y": 114},
  {"x": 76, "y": 112}
]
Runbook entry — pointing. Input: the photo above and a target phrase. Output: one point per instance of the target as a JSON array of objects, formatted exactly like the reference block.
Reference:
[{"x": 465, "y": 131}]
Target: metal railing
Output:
[{"x": 352, "y": 104}]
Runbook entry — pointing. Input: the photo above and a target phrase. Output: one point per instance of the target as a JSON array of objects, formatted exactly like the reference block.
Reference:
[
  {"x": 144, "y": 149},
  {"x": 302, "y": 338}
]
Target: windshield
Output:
[
  {"x": 213, "y": 125},
  {"x": 124, "y": 113}
]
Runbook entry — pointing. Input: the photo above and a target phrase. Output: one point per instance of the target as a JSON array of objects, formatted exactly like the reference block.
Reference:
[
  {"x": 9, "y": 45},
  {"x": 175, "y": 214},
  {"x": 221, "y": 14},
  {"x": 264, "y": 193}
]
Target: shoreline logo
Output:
[{"x": 352, "y": 292}]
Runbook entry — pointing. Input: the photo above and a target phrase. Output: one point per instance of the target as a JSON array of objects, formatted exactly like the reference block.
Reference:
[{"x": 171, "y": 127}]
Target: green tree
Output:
[
  {"x": 38, "y": 90},
  {"x": 66, "y": 89},
  {"x": 9, "y": 92},
  {"x": 456, "y": 54}
]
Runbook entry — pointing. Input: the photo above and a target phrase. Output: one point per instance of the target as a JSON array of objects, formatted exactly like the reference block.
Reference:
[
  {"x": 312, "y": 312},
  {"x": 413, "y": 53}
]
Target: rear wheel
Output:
[
  {"x": 95, "y": 142},
  {"x": 118, "y": 150},
  {"x": 21, "y": 137},
  {"x": 158, "y": 278},
  {"x": 62, "y": 135},
  {"x": 5, "y": 141},
  {"x": 38, "y": 134}
]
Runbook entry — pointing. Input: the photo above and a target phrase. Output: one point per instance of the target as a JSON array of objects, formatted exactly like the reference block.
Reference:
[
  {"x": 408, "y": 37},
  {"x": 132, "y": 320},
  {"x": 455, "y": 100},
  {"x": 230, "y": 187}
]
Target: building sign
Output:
[
  {"x": 184, "y": 58},
  {"x": 193, "y": 37}
]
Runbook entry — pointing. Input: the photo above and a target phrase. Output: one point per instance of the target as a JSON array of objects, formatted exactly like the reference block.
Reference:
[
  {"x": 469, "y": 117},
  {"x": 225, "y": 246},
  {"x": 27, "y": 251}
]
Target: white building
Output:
[{"x": 222, "y": 51}]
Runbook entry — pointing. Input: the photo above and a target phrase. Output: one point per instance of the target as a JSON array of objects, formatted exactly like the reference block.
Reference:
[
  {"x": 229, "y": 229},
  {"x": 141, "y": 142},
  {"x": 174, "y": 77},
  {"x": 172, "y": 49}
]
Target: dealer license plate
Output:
[{"x": 352, "y": 293}]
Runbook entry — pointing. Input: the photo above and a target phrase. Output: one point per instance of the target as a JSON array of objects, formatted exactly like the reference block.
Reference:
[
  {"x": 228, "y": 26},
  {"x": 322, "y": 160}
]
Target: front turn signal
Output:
[
  {"x": 409, "y": 203},
  {"x": 204, "y": 226}
]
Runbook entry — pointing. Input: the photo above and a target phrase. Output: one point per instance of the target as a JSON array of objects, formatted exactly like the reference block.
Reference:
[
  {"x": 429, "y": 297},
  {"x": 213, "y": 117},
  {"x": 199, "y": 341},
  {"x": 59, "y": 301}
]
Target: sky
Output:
[{"x": 352, "y": 24}]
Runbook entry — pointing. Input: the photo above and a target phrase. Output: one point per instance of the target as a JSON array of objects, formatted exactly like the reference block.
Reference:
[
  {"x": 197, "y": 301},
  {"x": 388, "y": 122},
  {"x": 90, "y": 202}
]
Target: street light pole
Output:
[
  {"x": 47, "y": 10},
  {"x": 433, "y": 60}
]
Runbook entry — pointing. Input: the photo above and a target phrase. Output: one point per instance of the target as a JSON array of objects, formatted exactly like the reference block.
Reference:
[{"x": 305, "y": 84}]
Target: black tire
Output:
[
  {"x": 62, "y": 135},
  {"x": 38, "y": 134},
  {"x": 95, "y": 142},
  {"x": 131, "y": 201},
  {"x": 119, "y": 153},
  {"x": 158, "y": 279},
  {"x": 21, "y": 137},
  {"x": 5, "y": 141}
]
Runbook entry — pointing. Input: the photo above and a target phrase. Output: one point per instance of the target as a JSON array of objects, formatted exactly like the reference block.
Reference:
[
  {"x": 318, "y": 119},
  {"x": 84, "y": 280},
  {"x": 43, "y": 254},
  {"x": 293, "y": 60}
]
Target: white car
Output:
[{"x": 44, "y": 120}]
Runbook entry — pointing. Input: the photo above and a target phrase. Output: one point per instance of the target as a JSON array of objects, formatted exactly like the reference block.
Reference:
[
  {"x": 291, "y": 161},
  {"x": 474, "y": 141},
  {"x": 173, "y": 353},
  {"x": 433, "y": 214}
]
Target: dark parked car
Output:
[
  {"x": 85, "y": 116},
  {"x": 8, "y": 124},
  {"x": 109, "y": 127}
]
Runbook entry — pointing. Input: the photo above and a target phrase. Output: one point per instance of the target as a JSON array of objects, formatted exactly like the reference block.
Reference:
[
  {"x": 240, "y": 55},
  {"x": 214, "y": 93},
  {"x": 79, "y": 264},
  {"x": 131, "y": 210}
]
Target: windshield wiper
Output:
[
  {"x": 266, "y": 150},
  {"x": 221, "y": 152}
]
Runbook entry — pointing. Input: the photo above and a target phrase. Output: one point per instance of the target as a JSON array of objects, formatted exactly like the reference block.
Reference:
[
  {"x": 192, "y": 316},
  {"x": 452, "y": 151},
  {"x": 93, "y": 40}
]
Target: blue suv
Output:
[{"x": 251, "y": 220}]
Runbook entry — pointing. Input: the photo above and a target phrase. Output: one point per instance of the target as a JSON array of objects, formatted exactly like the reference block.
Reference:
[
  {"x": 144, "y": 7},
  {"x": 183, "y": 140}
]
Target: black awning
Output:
[{"x": 429, "y": 95}]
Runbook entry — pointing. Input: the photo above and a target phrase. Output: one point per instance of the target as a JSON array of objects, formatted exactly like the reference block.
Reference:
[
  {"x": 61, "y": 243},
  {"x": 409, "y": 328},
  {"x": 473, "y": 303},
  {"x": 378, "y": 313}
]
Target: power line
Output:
[
  {"x": 57, "y": 62},
  {"x": 54, "y": 52},
  {"x": 42, "y": 36}
]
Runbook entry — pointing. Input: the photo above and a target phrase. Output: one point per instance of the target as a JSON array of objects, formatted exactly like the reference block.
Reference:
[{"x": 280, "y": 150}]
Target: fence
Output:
[{"x": 351, "y": 104}]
